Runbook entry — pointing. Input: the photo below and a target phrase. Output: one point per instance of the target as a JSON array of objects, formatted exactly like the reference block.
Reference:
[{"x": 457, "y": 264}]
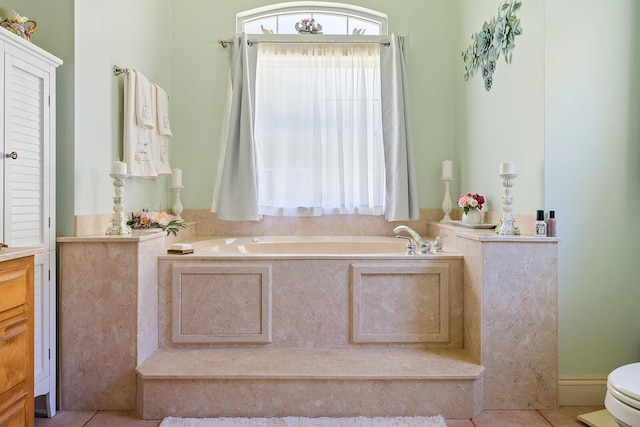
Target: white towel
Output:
[
  {"x": 144, "y": 106},
  {"x": 136, "y": 139},
  {"x": 159, "y": 142},
  {"x": 162, "y": 108}
]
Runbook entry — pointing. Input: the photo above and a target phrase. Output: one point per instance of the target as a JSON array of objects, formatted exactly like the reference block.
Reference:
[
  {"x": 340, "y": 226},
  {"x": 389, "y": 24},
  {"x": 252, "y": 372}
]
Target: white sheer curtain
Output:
[
  {"x": 318, "y": 129},
  {"x": 238, "y": 186}
]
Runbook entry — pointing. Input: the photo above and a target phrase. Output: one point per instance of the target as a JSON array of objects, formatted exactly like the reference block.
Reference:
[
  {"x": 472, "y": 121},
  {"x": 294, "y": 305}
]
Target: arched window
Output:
[
  {"x": 306, "y": 130},
  {"x": 334, "y": 18}
]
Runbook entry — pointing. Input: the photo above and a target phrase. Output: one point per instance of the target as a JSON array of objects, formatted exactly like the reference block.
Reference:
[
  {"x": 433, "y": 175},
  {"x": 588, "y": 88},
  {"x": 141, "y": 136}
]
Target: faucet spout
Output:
[{"x": 423, "y": 245}]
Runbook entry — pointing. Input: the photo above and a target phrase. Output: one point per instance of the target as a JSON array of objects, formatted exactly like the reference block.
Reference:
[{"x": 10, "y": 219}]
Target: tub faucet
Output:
[{"x": 424, "y": 246}]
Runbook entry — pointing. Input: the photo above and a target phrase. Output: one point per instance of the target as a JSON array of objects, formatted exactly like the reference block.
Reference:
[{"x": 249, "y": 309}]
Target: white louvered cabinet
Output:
[{"x": 27, "y": 174}]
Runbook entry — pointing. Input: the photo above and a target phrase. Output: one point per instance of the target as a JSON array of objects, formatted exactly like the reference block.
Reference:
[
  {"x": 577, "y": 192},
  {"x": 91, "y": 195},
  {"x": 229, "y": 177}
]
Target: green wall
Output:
[
  {"x": 592, "y": 159},
  {"x": 506, "y": 123},
  {"x": 200, "y": 75},
  {"x": 566, "y": 111}
]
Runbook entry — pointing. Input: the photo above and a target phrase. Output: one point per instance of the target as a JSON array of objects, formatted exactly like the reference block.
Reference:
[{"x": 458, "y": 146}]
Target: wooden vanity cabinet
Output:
[{"x": 16, "y": 343}]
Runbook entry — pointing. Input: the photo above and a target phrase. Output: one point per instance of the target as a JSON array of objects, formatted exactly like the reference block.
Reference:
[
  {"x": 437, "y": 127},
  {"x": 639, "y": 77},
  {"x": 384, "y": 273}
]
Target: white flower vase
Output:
[{"x": 472, "y": 217}]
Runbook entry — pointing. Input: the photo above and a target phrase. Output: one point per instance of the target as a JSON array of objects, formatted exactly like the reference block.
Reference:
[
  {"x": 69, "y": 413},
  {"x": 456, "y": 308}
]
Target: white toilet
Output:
[{"x": 623, "y": 395}]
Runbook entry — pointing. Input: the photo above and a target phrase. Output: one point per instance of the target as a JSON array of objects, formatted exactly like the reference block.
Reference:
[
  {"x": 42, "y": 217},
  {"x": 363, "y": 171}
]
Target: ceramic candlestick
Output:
[
  {"x": 118, "y": 225},
  {"x": 447, "y": 205},
  {"x": 177, "y": 205},
  {"x": 506, "y": 224}
]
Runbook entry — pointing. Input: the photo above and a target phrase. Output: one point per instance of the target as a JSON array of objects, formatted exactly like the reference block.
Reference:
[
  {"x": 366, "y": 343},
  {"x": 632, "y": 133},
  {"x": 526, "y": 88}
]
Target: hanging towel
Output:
[
  {"x": 136, "y": 139},
  {"x": 159, "y": 142},
  {"x": 144, "y": 106},
  {"x": 162, "y": 108}
]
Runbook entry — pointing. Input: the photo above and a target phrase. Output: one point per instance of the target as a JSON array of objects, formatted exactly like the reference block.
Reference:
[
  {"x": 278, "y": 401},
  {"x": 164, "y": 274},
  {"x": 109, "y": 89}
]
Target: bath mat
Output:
[
  {"x": 598, "y": 419},
  {"x": 436, "y": 421}
]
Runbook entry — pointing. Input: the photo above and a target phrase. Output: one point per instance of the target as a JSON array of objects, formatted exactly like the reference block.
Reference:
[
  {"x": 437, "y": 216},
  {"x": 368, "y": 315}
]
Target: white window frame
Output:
[{"x": 310, "y": 7}]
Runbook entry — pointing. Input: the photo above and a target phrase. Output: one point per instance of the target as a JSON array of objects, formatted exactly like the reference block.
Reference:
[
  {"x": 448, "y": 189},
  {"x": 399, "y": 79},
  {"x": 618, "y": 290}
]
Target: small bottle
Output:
[
  {"x": 541, "y": 226},
  {"x": 551, "y": 224}
]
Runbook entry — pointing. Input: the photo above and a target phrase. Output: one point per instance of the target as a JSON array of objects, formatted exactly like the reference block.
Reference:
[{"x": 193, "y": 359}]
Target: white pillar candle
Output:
[
  {"x": 176, "y": 178},
  {"x": 507, "y": 168},
  {"x": 118, "y": 168},
  {"x": 447, "y": 169}
]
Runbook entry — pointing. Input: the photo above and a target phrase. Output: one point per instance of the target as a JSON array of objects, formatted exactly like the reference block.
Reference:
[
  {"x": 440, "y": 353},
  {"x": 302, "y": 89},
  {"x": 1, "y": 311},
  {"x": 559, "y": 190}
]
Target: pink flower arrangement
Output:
[
  {"x": 163, "y": 220},
  {"x": 470, "y": 201}
]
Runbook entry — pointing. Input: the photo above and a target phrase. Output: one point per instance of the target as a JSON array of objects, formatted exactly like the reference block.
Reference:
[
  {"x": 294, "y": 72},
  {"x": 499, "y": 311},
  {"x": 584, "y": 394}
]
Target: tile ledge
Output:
[
  {"x": 489, "y": 235},
  {"x": 128, "y": 238}
]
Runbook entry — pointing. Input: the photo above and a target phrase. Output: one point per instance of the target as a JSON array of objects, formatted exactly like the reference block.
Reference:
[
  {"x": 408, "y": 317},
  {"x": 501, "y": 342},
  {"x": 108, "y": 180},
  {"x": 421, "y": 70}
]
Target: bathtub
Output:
[{"x": 300, "y": 245}]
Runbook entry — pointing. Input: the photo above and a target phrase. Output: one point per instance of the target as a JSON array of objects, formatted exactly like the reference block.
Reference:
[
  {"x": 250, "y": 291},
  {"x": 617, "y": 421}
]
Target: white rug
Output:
[{"x": 436, "y": 421}]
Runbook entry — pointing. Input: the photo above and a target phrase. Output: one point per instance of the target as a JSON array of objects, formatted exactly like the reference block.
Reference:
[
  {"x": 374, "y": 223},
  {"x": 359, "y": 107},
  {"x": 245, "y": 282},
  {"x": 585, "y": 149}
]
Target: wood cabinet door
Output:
[{"x": 16, "y": 343}]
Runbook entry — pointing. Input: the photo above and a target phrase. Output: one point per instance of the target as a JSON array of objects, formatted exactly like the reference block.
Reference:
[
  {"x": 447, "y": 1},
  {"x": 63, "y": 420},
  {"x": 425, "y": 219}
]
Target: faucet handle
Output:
[
  {"x": 411, "y": 248},
  {"x": 437, "y": 245}
]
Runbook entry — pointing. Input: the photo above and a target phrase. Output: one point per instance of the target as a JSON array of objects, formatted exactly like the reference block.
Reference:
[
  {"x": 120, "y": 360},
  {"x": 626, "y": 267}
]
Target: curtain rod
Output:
[{"x": 225, "y": 43}]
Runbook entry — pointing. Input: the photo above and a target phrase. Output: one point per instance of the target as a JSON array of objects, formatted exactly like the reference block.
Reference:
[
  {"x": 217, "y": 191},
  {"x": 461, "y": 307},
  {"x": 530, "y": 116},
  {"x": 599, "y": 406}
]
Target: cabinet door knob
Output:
[{"x": 12, "y": 155}]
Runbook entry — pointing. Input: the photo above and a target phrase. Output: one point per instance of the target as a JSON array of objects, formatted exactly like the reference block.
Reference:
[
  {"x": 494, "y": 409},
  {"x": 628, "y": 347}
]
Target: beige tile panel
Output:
[
  {"x": 222, "y": 303},
  {"x": 400, "y": 302},
  {"x": 325, "y": 225},
  {"x": 311, "y": 304},
  {"x": 108, "y": 320},
  {"x": 519, "y": 348},
  {"x": 332, "y": 398}
]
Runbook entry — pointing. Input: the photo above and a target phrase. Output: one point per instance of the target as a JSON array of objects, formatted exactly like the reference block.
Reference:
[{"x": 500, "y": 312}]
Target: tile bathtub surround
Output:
[
  {"x": 108, "y": 318},
  {"x": 506, "y": 323}
]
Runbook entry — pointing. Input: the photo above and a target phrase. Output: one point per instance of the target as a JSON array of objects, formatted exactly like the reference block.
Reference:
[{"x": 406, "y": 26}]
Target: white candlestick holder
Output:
[
  {"x": 177, "y": 205},
  {"x": 447, "y": 205},
  {"x": 118, "y": 225},
  {"x": 506, "y": 224}
]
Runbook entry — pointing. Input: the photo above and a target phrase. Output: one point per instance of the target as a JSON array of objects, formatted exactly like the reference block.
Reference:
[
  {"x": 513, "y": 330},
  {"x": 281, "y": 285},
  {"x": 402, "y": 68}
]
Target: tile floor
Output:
[{"x": 562, "y": 417}]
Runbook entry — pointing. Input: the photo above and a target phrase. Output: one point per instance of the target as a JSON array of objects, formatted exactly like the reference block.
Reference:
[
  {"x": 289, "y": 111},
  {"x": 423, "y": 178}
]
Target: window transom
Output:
[{"x": 328, "y": 18}]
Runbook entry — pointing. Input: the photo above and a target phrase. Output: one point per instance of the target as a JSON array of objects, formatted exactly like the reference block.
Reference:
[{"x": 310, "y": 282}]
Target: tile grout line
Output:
[
  {"x": 544, "y": 418},
  {"x": 89, "y": 420}
]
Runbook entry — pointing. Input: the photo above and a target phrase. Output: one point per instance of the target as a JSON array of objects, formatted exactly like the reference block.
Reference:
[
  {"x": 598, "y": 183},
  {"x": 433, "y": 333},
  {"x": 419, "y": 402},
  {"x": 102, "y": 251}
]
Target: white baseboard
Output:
[{"x": 581, "y": 391}]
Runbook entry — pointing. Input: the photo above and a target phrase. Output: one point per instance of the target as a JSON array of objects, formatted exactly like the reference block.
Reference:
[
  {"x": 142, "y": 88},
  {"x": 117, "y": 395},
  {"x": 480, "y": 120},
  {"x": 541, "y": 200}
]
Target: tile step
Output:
[
  {"x": 319, "y": 363},
  {"x": 275, "y": 382}
]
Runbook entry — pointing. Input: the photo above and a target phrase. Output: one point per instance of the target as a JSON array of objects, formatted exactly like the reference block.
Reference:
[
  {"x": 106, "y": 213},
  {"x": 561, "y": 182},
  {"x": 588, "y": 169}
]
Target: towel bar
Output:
[{"x": 119, "y": 70}]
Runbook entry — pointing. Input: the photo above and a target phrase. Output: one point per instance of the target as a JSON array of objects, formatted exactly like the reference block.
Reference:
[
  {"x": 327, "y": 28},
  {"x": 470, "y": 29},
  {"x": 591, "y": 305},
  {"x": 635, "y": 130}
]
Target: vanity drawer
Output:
[
  {"x": 13, "y": 291},
  {"x": 15, "y": 408},
  {"x": 14, "y": 345}
]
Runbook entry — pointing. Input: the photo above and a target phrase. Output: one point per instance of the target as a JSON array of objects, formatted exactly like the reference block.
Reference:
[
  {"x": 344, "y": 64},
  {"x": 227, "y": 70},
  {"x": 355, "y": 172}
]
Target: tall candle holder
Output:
[
  {"x": 177, "y": 205},
  {"x": 118, "y": 225},
  {"x": 447, "y": 205},
  {"x": 506, "y": 224}
]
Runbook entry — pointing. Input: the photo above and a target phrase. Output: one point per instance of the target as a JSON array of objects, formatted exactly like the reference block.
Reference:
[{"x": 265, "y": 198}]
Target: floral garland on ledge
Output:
[
  {"x": 495, "y": 37},
  {"x": 163, "y": 220}
]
